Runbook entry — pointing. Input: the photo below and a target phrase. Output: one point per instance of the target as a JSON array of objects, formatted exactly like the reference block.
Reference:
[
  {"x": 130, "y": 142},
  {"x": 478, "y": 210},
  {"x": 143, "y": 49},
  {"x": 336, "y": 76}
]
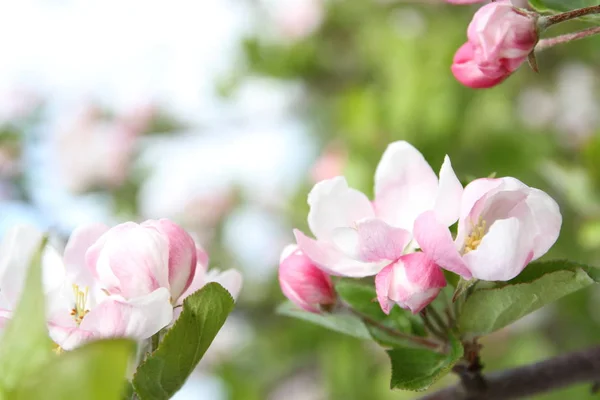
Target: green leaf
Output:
[
  {"x": 561, "y": 5},
  {"x": 25, "y": 344},
  {"x": 538, "y": 269},
  {"x": 344, "y": 323},
  {"x": 488, "y": 310},
  {"x": 363, "y": 298},
  {"x": 95, "y": 371},
  {"x": 417, "y": 369},
  {"x": 165, "y": 371}
]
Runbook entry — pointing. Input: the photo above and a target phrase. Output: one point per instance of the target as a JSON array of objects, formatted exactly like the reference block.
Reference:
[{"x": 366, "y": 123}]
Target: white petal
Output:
[
  {"x": 230, "y": 279},
  {"x": 405, "y": 185},
  {"x": 80, "y": 241},
  {"x": 333, "y": 204},
  {"x": 547, "y": 218},
  {"x": 447, "y": 202}
]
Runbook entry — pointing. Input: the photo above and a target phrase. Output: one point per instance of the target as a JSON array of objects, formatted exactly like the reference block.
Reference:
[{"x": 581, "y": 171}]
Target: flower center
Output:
[
  {"x": 79, "y": 311},
  {"x": 475, "y": 237}
]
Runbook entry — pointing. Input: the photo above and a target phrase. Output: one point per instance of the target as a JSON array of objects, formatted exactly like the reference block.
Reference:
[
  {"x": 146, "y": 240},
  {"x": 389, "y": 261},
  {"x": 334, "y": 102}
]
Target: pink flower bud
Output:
[
  {"x": 465, "y": 1},
  {"x": 500, "y": 38},
  {"x": 412, "y": 282},
  {"x": 302, "y": 282}
]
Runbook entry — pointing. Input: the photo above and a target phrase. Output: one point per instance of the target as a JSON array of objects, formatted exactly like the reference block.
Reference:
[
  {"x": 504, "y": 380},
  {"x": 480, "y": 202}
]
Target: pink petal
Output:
[
  {"x": 74, "y": 256},
  {"x": 333, "y": 204},
  {"x": 382, "y": 287},
  {"x": 548, "y": 220},
  {"x": 435, "y": 240},
  {"x": 447, "y": 202},
  {"x": 503, "y": 253},
  {"x": 327, "y": 257},
  {"x": 182, "y": 254},
  {"x": 405, "y": 185},
  {"x": 130, "y": 260},
  {"x": 138, "y": 318},
  {"x": 372, "y": 241},
  {"x": 202, "y": 257}
]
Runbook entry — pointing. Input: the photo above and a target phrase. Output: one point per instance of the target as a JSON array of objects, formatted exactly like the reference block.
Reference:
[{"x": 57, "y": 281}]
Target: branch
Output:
[
  {"x": 555, "y": 373},
  {"x": 568, "y": 37}
]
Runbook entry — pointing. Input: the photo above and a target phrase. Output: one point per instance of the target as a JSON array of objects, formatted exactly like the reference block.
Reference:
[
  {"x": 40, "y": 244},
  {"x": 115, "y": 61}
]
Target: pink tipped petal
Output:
[
  {"x": 182, "y": 254},
  {"x": 304, "y": 284},
  {"x": 372, "y": 241},
  {"x": 382, "y": 287},
  {"x": 131, "y": 260},
  {"x": 503, "y": 253},
  {"x": 69, "y": 337},
  {"x": 230, "y": 279},
  {"x": 474, "y": 191},
  {"x": 333, "y": 204},
  {"x": 405, "y": 185},
  {"x": 327, "y": 257},
  {"x": 447, "y": 202},
  {"x": 80, "y": 241},
  {"x": 137, "y": 318},
  {"x": 548, "y": 220},
  {"x": 435, "y": 240},
  {"x": 412, "y": 282},
  {"x": 198, "y": 282}
]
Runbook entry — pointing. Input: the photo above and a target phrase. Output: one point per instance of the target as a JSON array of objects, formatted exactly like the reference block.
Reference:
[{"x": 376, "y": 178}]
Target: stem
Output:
[
  {"x": 392, "y": 332},
  {"x": 437, "y": 333},
  {"x": 555, "y": 373},
  {"x": 549, "y": 42},
  {"x": 545, "y": 22},
  {"x": 438, "y": 319}
]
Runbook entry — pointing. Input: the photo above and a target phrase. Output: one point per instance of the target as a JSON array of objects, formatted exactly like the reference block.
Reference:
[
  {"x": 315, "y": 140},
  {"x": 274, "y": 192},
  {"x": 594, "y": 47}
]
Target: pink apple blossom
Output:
[
  {"x": 466, "y": 1},
  {"x": 356, "y": 237},
  {"x": 503, "y": 226},
  {"x": 500, "y": 37},
  {"x": 77, "y": 309},
  {"x": 302, "y": 282},
  {"x": 412, "y": 282}
]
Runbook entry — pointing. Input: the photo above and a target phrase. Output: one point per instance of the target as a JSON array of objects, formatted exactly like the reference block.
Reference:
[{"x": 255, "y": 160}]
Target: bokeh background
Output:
[{"x": 221, "y": 114}]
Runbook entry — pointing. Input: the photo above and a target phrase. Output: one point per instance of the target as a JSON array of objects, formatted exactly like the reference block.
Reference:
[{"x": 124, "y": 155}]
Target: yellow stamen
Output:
[
  {"x": 80, "y": 296},
  {"x": 475, "y": 237}
]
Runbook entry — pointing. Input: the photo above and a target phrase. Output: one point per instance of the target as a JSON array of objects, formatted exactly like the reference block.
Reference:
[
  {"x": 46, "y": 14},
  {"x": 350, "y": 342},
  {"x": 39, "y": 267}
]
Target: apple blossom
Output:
[
  {"x": 302, "y": 282},
  {"x": 77, "y": 309},
  {"x": 503, "y": 226},
  {"x": 356, "y": 237},
  {"x": 412, "y": 282},
  {"x": 500, "y": 37}
]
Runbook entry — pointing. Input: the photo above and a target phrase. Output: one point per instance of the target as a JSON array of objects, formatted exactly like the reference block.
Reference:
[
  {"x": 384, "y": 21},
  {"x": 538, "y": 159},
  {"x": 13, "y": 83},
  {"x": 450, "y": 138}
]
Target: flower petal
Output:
[
  {"x": 447, "y": 202},
  {"x": 435, "y": 240},
  {"x": 130, "y": 260},
  {"x": 503, "y": 252},
  {"x": 333, "y": 204},
  {"x": 382, "y": 287},
  {"x": 80, "y": 241},
  {"x": 548, "y": 220},
  {"x": 230, "y": 279},
  {"x": 372, "y": 241},
  {"x": 137, "y": 318},
  {"x": 405, "y": 185},
  {"x": 332, "y": 261}
]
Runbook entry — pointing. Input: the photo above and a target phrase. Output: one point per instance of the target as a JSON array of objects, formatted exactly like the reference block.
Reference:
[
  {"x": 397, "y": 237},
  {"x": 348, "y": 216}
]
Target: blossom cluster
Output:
[
  {"x": 500, "y": 39},
  {"x": 126, "y": 281},
  {"x": 403, "y": 236}
]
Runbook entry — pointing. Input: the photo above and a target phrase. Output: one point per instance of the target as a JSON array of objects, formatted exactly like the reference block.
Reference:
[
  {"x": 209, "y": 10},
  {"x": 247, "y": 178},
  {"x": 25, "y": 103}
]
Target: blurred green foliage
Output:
[{"x": 375, "y": 72}]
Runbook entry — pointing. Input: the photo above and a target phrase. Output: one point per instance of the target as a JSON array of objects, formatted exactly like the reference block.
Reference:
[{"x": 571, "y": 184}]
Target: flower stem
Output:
[
  {"x": 392, "y": 332},
  {"x": 547, "y": 21},
  {"x": 569, "y": 37},
  {"x": 438, "y": 319},
  {"x": 431, "y": 327}
]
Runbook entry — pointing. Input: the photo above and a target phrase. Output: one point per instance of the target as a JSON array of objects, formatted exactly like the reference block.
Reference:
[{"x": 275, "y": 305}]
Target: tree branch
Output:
[{"x": 544, "y": 376}]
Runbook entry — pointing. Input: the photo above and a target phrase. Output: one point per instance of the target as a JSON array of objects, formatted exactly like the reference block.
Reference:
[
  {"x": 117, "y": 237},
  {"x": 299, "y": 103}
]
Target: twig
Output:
[
  {"x": 392, "y": 332},
  {"x": 545, "y": 22},
  {"x": 555, "y": 373},
  {"x": 569, "y": 37}
]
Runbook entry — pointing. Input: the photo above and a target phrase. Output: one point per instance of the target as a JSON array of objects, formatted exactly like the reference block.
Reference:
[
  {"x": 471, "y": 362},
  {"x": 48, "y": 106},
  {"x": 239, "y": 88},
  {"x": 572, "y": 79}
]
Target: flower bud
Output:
[
  {"x": 302, "y": 282},
  {"x": 500, "y": 37},
  {"x": 412, "y": 282}
]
